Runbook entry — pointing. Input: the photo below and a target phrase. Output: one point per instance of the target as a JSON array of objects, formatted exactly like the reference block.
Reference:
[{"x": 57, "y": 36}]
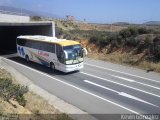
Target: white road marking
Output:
[
  {"x": 121, "y": 93},
  {"x": 87, "y": 81},
  {"x": 121, "y": 84},
  {"x": 122, "y": 72},
  {"x": 136, "y": 98},
  {"x": 87, "y": 92},
  {"x": 148, "y": 85},
  {"x": 130, "y": 80}
]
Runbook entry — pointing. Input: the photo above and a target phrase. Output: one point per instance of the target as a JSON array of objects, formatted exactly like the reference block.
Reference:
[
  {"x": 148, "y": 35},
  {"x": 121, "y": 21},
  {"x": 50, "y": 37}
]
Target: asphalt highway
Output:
[{"x": 100, "y": 88}]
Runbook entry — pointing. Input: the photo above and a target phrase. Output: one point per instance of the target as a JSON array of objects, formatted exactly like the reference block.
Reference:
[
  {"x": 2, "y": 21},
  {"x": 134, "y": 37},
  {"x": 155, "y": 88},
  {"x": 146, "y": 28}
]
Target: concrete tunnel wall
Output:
[{"x": 8, "y": 33}]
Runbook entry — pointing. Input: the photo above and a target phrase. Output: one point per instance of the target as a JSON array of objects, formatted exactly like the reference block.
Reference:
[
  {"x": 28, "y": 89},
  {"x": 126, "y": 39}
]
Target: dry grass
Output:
[
  {"x": 110, "y": 27},
  {"x": 8, "y": 108},
  {"x": 127, "y": 59},
  {"x": 41, "y": 110},
  {"x": 150, "y": 66},
  {"x": 4, "y": 74},
  {"x": 36, "y": 107},
  {"x": 39, "y": 104},
  {"x": 66, "y": 25}
]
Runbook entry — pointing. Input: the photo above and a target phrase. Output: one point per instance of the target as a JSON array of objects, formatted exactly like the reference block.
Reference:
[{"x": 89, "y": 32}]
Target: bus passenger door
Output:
[{"x": 59, "y": 53}]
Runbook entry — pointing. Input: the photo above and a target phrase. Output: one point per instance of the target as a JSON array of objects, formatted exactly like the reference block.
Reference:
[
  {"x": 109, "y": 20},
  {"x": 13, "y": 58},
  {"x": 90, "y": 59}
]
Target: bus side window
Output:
[
  {"x": 48, "y": 46},
  {"x": 28, "y": 44},
  {"x": 40, "y": 46},
  {"x": 35, "y": 45},
  {"x": 21, "y": 42},
  {"x": 51, "y": 48},
  {"x": 58, "y": 50},
  {"x": 43, "y": 47},
  {"x": 54, "y": 48},
  {"x": 18, "y": 41}
]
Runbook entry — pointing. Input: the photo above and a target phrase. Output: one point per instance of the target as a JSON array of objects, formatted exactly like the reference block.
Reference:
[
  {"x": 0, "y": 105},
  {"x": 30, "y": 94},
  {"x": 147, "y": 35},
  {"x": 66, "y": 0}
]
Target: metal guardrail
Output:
[{"x": 13, "y": 13}]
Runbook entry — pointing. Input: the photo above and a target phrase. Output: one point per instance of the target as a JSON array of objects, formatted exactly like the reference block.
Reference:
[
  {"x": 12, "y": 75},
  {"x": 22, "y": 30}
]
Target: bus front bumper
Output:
[{"x": 71, "y": 68}]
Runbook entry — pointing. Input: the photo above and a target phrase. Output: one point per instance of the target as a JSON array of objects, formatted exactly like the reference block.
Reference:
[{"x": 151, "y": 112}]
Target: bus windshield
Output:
[{"x": 74, "y": 54}]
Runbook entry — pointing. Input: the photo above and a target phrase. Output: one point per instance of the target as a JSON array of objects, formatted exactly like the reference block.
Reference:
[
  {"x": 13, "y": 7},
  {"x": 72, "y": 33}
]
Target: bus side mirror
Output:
[{"x": 85, "y": 52}]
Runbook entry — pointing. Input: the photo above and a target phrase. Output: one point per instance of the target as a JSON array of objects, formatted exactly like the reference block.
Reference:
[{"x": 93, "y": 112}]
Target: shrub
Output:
[
  {"x": 148, "y": 41},
  {"x": 125, "y": 33},
  {"x": 133, "y": 31},
  {"x": 156, "y": 40},
  {"x": 129, "y": 32},
  {"x": 144, "y": 44},
  {"x": 67, "y": 36},
  {"x": 93, "y": 40},
  {"x": 59, "y": 31},
  {"x": 103, "y": 40},
  {"x": 132, "y": 41},
  {"x": 9, "y": 90},
  {"x": 119, "y": 40},
  {"x": 142, "y": 30},
  {"x": 36, "y": 18},
  {"x": 155, "y": 49},
  {"x": 21, "y": 100}
]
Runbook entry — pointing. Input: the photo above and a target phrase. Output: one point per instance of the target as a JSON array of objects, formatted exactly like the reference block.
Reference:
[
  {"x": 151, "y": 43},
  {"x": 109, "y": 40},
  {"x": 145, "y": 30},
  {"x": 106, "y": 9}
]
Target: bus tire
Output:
[
  {"x": 27, "y": 58},
  {"x": 52, "y": 66}
]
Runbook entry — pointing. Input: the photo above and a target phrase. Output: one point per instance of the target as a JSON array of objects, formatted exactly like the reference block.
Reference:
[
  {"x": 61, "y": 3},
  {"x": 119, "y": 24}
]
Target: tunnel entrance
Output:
[{"x": 9, "y": 33}]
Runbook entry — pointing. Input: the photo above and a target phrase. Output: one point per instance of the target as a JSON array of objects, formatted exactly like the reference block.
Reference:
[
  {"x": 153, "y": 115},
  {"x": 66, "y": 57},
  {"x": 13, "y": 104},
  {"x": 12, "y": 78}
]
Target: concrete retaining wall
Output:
[{"x": 13, "y": 18}]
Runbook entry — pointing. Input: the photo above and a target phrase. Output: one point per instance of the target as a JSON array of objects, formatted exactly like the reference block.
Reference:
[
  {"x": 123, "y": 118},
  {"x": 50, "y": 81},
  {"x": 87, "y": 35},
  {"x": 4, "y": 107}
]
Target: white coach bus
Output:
[{"x": 60, "y": 54}]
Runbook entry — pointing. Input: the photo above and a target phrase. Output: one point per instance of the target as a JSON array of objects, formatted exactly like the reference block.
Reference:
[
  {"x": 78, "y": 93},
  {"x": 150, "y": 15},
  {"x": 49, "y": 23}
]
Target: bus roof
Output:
[{"x": 62, "y": 42}]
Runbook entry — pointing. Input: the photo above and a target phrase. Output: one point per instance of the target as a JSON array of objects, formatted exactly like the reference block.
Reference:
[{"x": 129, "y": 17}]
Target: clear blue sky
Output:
[{"x": 101, "y": 11}]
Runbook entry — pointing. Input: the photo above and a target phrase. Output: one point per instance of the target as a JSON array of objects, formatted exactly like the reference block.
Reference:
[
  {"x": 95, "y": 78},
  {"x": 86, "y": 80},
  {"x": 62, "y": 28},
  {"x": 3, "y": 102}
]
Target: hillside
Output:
[
  {"x": 22, "y": 11},
  {"x": 18, "y": 11},
  {"x": 135, "y": 45},
  {"x": 74, "y": 25},
  {"x": 80, "y": 30},
  {"x": 152, "y": 23}
]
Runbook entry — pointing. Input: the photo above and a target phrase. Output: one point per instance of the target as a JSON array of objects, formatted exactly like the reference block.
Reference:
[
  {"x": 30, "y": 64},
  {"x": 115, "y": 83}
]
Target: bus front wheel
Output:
[
  {"x": 52, "y": 66},
  {"x": 27, "y": 58}
]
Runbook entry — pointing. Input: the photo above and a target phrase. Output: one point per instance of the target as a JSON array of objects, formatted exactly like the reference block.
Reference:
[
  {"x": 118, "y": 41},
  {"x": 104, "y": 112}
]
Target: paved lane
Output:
[{"x": 100, "y": 88}]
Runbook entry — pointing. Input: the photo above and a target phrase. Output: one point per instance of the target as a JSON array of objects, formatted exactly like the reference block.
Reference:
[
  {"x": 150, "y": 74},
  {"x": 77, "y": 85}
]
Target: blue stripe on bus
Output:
[
  {"x": 43, "y": 62},
  {"x": 41, "y": 59},
  {"x": 21, "y": 51}
]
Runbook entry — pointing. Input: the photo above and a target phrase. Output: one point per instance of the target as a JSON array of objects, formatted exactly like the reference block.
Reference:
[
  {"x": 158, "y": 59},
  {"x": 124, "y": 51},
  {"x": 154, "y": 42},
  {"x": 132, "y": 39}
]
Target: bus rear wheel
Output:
[
  {"x": 52, "y": 66},
  {"x": 27, "y": 58}
]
